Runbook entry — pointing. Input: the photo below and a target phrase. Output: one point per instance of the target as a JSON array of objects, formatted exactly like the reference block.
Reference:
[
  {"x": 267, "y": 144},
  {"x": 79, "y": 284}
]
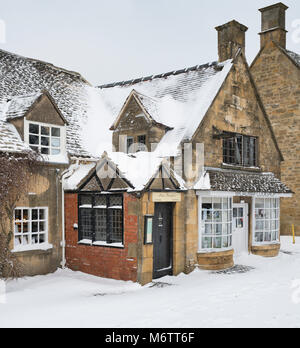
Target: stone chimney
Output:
[
  {"x": 273, "y": 24},
  {"x": 231, "y": 37}
]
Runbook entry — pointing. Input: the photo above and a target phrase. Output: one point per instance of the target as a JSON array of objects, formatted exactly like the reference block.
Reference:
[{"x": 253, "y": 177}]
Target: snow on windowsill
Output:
[
  {"x": 104, "y": 244},
  {"x": 210, "y": 251},
  {"x": 37, "y": 247}
]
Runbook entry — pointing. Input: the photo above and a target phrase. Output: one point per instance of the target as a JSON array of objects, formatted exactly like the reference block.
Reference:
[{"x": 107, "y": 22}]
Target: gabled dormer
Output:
[
  {"x": 40, "y": 125},
  {"x": 138, "y": 126}
]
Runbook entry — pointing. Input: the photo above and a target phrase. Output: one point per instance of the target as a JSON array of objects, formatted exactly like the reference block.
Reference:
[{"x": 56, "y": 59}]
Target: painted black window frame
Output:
[
  {"x": 108, "y": 210},
  {"x": 237, "y": 150}
]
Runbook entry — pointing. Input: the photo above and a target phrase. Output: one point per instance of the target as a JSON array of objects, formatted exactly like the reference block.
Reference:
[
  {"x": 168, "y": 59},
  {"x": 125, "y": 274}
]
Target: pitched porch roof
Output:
[{"x": 241, "y": 182}]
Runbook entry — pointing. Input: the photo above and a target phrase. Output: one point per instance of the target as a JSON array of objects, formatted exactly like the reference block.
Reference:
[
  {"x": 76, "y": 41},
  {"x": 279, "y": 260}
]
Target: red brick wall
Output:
[{"x": 101, "y": 261}]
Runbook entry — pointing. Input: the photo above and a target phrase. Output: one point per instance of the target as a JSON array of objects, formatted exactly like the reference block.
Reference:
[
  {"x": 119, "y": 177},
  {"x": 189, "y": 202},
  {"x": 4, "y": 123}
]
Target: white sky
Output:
[{"x": 115, "y": 40}]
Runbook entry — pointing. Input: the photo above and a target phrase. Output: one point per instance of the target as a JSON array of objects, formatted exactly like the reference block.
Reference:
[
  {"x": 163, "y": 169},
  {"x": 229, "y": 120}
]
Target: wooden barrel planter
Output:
[
  {"x": 271, "y": 250},
  {"x": 216, "y": 261}
]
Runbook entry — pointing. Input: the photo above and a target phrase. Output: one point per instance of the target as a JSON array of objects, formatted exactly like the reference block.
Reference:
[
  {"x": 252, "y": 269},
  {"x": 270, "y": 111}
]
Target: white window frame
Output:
[
  {"x": 254, "y": 242},
  {"x": 30, "y": 246},
  {"x": 62, "y": 157},
  {"x": 200, "y": 232}
]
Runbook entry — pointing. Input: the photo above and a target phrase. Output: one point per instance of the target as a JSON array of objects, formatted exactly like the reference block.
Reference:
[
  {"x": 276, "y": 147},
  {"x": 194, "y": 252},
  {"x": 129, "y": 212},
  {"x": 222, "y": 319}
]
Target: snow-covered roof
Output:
[
  {"x": 23, "y": 79},
  {"x": 179, "y": 99},
  {"x": 235, "y": 181},
  {"x": 294, "y": 56},
  {"x": 76, "y": 174},
  {"x": 18, "y": 106},
  {"x": 138, "y": 170},
  {"x": 10, "y": 140}
]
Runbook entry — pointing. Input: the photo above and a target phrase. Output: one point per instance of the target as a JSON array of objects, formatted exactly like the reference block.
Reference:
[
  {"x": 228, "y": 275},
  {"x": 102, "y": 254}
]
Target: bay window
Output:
[
  {"x": 267, "y": 220},
  {"x": 216, "y": 223},
  {"x": 101, "y": 219}
]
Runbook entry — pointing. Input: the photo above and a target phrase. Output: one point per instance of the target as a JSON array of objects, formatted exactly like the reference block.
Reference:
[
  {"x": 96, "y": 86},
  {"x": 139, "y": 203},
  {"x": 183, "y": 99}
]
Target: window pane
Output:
[
  {"x": 42, "y": 214},
  {"x": 86, "y": 200},
  {"x": 33, "y": 128},
  {"x": 26, "y": 214},
  {"x": 42, "y": 227},
  {"x": 115, "y": 201},
  {"x": 217, "y": 243},
  {"x": 34, "y": 227},
  {"x": 55, "y": 132},
  {"x": 116, "y": 226},
  {"x": 208, "y": 229},
  {"x": 259, "y": 237},
  {"x": 34, "y": 140},
  {"x": 45, "y": 151},
  {"x": 45, "y": 141},
  {"x": 86, "y": 224},
  {"x": 45, "y": 130},
  {"x": 35, "y": 214},
  {"x": 42, "y": 238},
  {"x": 55, "y": 142},
  {"x": 100, "y": 201},
  {"x": 35, "y": 239},
  {"x": 18, "y": 214},
  {"x": 206, "y": 243},
  {"x": 55, "y": 151},
  {"x": 100, "y": 225}
]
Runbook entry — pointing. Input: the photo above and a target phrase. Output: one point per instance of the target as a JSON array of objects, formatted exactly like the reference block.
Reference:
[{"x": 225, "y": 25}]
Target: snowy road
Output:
[{"x": 262, "y": 297}]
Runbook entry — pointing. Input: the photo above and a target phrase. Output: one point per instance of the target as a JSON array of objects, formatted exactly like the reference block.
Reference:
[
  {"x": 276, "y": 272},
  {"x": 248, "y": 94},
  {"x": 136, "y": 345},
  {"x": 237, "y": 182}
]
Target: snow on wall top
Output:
[
  {"x": 232, "y": 181},
  {"x": 20, "y": 76},
  {"x": 10, "y": 140},
  {"x": 179, "y": 99}
]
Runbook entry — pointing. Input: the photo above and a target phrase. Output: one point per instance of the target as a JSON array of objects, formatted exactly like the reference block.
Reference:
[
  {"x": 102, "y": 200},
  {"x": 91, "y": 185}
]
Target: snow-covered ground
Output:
[{"x": 261, "y": 297}]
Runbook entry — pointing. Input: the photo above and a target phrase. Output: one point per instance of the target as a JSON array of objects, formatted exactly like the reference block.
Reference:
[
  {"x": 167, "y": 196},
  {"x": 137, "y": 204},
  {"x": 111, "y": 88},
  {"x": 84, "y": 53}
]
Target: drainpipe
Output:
[{"x": 63, "y": 243}]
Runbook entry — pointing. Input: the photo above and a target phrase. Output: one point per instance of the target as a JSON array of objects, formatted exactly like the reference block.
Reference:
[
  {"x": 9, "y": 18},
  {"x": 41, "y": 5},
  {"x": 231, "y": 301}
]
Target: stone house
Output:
[
  {"x": 276, "y": 72},
  {"x": 40, "y": 110},
  {"x": 193, "y": 180}
]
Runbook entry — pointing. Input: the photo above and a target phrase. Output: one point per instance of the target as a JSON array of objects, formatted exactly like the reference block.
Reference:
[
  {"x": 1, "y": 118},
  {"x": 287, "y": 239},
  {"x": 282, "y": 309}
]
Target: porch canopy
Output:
[{"x": 242, "y": 183}]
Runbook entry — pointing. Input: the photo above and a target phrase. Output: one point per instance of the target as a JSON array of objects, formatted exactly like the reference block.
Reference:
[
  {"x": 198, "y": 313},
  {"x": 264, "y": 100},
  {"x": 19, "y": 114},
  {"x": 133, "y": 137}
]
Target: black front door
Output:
[{"x": 162, "y": 240}]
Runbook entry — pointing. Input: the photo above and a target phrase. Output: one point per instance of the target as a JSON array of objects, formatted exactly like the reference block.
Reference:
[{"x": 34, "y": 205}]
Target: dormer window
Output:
[
  {"x": 45, "y": 139},
  {"x": 240, "y": 150}
]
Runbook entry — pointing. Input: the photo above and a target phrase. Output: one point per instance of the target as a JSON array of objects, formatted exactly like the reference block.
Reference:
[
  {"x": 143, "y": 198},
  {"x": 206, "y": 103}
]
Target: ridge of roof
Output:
[
  {"x": 159, "y": 76},
  {"x": 50, "y": 65}
]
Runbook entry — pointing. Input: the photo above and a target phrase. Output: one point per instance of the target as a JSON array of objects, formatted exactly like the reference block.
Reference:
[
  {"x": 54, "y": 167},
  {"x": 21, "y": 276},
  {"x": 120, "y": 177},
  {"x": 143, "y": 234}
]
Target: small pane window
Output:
[
  {"x": 45, "y": 139},
  {"x": 240, "y": 150},
  {"x": 101, "y": 218},
  {"x": 30, "y": 227},
  {"x": 267, "y": 220},
  {"x": 216, "y": 223}
]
